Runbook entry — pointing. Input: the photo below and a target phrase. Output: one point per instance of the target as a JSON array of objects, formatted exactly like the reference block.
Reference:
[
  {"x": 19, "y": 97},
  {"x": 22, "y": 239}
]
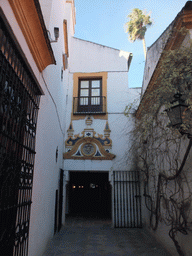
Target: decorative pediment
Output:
[
  {"x": 88, "y": 148},
  {"x": 88, "y": 145}
]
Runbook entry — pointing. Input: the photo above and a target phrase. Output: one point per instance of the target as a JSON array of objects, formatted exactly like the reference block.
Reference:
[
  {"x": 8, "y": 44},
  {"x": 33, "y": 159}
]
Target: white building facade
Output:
[{"x": 96, "y": 135}]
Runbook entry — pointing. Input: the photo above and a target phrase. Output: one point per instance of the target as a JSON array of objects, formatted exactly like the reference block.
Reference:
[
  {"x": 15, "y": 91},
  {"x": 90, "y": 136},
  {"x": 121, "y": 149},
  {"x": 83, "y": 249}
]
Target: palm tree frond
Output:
[{"x": 137, "y": 25}]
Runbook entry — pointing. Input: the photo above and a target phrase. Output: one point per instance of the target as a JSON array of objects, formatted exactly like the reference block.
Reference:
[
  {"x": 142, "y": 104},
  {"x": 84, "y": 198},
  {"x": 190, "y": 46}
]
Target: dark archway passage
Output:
[{"x": 89, "y": 194}]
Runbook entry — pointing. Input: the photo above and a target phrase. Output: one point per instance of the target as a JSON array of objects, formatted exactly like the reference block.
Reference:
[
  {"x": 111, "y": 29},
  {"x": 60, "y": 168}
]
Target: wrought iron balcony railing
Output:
[{"x": 89, "y": 105}]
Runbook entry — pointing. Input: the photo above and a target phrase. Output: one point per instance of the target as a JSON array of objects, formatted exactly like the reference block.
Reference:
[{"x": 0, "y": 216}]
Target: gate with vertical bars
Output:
[{"x": 126, "y": 199}]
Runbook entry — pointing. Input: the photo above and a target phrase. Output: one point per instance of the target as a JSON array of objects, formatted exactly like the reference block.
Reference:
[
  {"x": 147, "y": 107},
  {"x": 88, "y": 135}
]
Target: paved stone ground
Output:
[{"x": 93, "y": 237}]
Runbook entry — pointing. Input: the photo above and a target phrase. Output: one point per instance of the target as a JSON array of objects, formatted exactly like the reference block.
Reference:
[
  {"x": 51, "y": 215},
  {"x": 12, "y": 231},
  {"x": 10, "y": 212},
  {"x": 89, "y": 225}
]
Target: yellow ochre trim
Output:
[
  {"x": 65, "y": 37},
  {"x": 30, "y": 19},
  {"x": 76, "y": 77}
]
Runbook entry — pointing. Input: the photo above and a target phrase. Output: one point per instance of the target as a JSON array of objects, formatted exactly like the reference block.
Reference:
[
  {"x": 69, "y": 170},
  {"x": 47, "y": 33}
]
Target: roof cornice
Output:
[{"x": 30, "y": 19}]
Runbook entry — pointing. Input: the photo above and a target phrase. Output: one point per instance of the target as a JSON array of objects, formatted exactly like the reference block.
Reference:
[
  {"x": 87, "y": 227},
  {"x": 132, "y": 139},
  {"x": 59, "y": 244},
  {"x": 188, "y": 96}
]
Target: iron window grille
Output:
[{"x": 19, "y": 104}]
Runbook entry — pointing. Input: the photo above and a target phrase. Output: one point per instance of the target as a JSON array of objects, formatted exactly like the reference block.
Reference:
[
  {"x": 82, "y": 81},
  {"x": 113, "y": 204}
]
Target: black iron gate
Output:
[
  {"x": 60, "y": 199},
  {"x": 19, "y": 102},
  {"x": 59, "y": 204},
  {"x": 126, "y": 199}
]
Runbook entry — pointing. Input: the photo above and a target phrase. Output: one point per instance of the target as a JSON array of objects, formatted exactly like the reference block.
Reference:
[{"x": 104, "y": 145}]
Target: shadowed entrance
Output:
[{"x": 89, "y": 194}]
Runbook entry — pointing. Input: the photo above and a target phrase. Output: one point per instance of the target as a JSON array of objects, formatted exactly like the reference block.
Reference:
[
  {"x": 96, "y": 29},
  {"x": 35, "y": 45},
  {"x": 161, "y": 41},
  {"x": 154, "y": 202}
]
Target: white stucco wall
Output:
[
  {"x": 153, "y": 54},
  {"x": 92, "y": 57},
  {"x": 46, "y": 8},
  {"x": 50, "y": 133}
]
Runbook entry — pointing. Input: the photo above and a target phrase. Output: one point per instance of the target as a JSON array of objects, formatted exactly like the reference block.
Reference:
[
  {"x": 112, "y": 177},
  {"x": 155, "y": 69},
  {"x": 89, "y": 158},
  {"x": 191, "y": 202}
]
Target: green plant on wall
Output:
[{"x": 161, "y": 152}]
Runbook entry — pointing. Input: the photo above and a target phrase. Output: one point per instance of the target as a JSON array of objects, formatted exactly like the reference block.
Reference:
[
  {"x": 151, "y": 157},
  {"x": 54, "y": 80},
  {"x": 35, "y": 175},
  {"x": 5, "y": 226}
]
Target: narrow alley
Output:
[
  {"x": 92, "y": 160},
  {"x": 88, "y": 236}
]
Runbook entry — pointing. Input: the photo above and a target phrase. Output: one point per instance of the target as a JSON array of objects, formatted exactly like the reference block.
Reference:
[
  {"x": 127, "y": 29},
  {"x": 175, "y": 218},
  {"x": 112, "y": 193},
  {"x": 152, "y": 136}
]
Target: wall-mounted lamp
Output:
[
  {"x": 176, "y": 111},
  {"x": 56, "y": 34}
]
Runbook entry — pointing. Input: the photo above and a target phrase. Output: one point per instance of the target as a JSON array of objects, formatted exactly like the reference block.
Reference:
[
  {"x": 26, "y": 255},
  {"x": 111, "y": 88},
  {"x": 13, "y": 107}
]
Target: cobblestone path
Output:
[{"x": 96, "y": 237}]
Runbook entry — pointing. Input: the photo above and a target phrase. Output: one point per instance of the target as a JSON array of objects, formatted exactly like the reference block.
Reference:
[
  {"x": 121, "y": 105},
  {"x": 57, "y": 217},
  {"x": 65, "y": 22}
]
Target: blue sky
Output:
[{"x": 102, "y": 22}]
